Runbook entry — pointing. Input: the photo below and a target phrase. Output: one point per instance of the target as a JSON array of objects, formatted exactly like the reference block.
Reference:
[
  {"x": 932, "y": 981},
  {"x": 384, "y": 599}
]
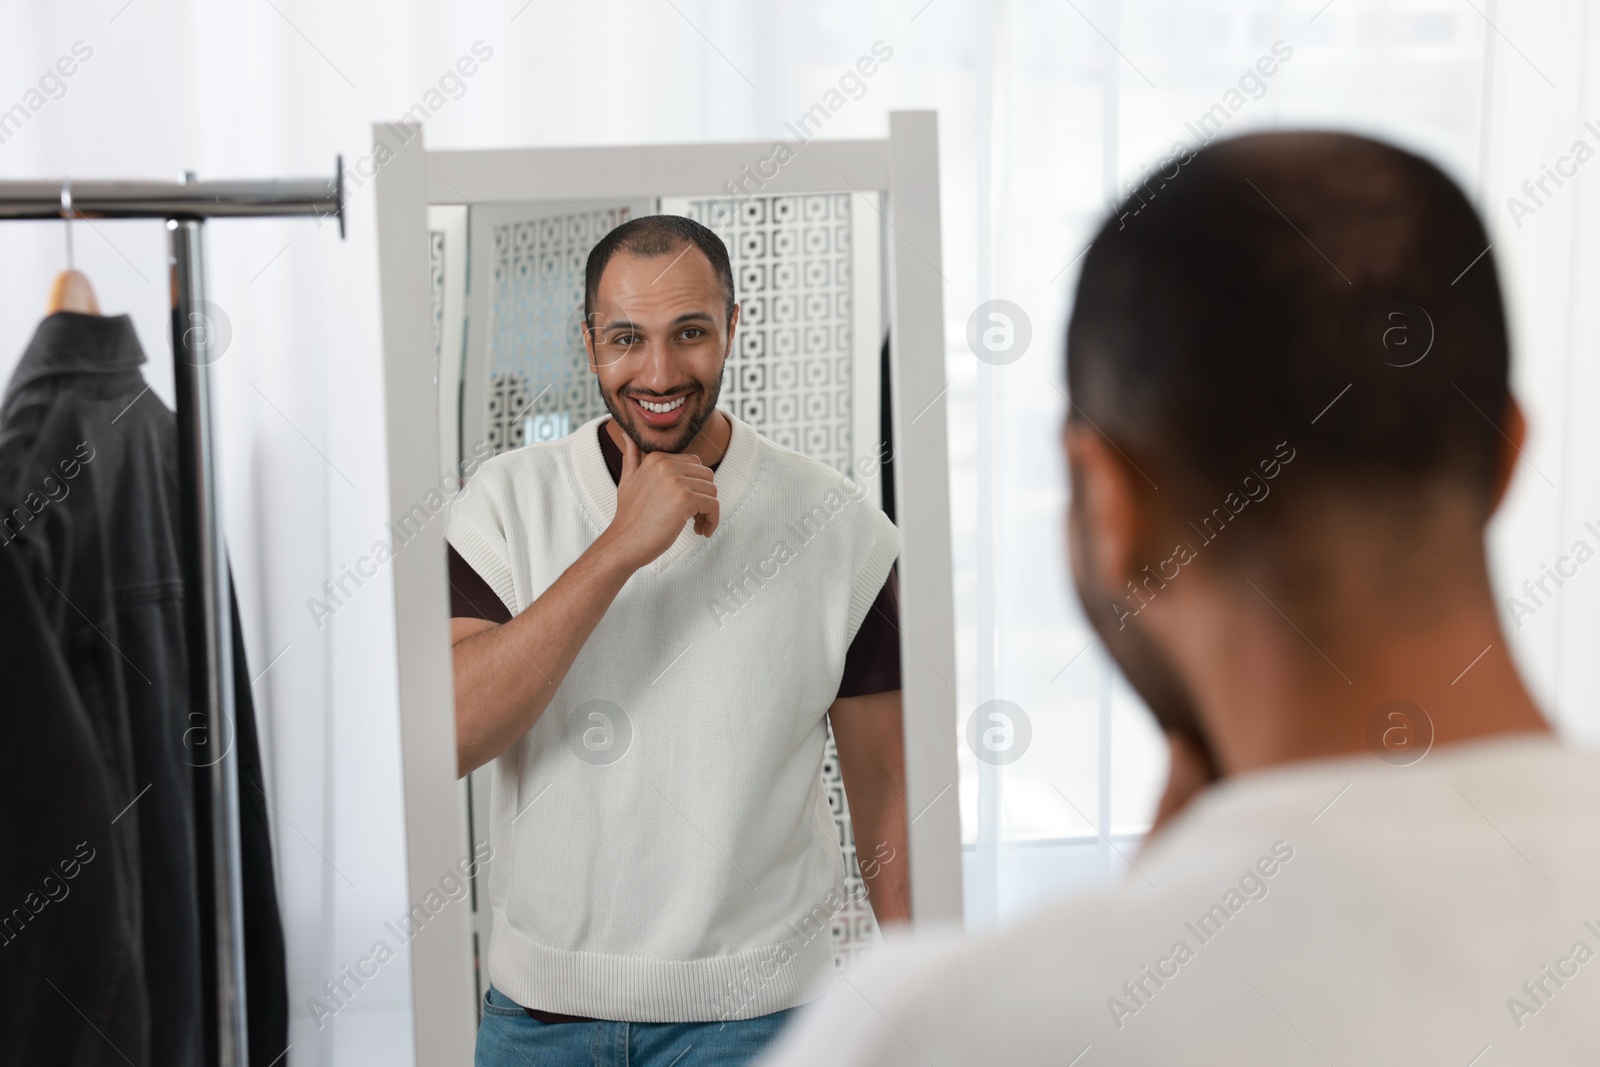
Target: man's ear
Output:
[
  {"x": 1108, "y": 514},
  {"x": 733, "y": 323},
  {"x": 1514, "y": 434}
]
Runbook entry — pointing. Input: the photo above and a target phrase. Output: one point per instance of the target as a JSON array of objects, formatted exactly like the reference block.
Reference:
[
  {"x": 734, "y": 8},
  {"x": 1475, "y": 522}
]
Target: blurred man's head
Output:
[
  {"x": 659, "y": 317},
  {"x": 1288, "y": 366}
]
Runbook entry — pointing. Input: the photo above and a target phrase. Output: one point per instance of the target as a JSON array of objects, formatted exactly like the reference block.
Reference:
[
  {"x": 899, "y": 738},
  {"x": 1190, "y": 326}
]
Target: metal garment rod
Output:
[
  {"x": 210, "y": 621},
  {"x": 174, "y": 200},
  {"x": 185, "y": 205}
]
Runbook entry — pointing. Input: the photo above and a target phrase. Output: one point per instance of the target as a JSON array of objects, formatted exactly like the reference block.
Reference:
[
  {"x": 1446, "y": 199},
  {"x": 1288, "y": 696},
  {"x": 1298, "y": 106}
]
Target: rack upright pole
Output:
[
  {"x": 185, "y": 205},
  {"x": 210, "y": 623}
]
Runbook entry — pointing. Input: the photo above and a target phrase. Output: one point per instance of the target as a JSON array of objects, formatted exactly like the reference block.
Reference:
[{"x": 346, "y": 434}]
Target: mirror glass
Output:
[{"x": 806, "y": 370}]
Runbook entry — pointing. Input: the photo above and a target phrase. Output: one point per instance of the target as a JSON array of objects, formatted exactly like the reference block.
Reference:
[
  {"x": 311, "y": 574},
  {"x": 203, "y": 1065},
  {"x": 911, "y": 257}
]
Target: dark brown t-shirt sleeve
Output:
[
  {"x": 470, "y": 596},
  {"x": 872, "y": 664}
]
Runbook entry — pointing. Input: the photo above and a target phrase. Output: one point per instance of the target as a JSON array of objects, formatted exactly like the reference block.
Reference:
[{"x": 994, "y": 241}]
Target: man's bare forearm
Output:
[
  {"x": 868, "y": 733},
  {"x": 883, "y": 853},
  {"x": 505, "y": 675}
]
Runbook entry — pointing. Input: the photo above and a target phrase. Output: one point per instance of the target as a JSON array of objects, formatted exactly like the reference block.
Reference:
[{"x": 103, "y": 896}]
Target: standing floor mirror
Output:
[{"x": 839, "y": 356}]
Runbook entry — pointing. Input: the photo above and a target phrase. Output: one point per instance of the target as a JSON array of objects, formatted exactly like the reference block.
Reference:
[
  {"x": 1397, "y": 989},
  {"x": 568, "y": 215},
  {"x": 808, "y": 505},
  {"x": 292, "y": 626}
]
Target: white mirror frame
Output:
[{"x": 905, "y": 166}]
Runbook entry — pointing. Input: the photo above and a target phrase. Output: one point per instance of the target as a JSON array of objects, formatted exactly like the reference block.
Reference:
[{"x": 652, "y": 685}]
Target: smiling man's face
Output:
[{"x": 659, "y": 337}]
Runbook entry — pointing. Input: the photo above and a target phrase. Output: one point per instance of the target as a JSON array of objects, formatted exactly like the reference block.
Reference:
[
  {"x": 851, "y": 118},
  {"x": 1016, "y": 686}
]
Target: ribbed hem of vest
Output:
[
  {"x": 638, "y": 990},
  {"x": 869, "y": 581},
  {"x": 487, "y": 562}
]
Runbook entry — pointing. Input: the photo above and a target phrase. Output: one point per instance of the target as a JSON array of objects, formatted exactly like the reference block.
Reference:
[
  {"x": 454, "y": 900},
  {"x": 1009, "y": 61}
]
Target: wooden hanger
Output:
[{"x": 71, "y": 290}]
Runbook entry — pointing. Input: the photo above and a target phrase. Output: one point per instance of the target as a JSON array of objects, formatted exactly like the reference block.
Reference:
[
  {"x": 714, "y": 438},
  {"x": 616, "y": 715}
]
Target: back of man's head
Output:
[{"x": 1319, "y": 289}]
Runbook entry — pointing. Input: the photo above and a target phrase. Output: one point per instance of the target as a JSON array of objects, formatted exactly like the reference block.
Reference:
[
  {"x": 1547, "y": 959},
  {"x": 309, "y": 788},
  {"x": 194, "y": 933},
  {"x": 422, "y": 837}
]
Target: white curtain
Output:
[
  {"x": 1079, "y": 100},
  {"x": 1045, "y": 109}
]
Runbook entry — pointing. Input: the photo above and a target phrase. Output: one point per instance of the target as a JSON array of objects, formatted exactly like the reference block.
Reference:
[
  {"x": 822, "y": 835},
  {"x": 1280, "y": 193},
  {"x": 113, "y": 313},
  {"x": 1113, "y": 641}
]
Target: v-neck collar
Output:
[
  {"x": 733, "y": 477},
  {"x": 613, "y": 454}
]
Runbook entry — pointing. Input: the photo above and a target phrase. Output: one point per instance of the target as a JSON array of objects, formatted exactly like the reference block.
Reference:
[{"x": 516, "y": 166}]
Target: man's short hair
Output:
[
  {"x": 656, "y": 235},
  {"x": 1322, "y": 289}
]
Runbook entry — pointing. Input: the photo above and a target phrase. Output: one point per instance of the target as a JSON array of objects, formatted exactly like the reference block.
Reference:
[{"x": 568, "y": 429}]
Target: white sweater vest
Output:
[{"x": 663, "y": 850}]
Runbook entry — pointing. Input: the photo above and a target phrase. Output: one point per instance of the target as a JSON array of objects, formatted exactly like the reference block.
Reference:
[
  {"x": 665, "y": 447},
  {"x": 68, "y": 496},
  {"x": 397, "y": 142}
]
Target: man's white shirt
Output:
[{"x": 1342, "y": 911}]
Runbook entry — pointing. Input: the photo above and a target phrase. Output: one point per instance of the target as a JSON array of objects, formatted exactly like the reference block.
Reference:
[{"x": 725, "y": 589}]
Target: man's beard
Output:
[
  {"x": 623, "y": 412},
  {"x": 1146, "y": 667}
]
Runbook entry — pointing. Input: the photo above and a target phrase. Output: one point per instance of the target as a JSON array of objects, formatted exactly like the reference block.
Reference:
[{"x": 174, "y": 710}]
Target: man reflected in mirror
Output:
[{"x": 655, "y": 621}]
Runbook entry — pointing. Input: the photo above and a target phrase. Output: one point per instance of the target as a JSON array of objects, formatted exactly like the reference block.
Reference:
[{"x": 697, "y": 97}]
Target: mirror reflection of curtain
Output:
[{"x": 805, "y": 372}]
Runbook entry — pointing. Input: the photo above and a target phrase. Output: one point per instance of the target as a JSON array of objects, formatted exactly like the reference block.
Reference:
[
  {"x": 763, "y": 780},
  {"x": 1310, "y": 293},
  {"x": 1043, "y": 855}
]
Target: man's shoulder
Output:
[
  {"x": 804, "y": 483},
  {"x": 519, "y": 468},
  {"x": 1019, "y": 995},
  {"x": 531, "y": 457},
  {"x": 797, "y": 467},
  {"x": 1304, "y": 858}
]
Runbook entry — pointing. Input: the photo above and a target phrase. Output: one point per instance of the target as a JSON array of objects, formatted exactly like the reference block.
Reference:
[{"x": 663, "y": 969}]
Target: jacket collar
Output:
[{"x": 70, "y": 343}]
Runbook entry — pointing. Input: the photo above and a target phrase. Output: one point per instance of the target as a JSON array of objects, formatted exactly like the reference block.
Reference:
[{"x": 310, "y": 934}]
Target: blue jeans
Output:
[{"x": 509, "y": 1037}]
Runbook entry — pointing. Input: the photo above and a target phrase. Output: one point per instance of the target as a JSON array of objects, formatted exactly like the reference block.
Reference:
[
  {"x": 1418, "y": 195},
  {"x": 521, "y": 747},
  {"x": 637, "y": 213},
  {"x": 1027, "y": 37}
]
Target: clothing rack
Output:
[{"x": 186, "y": 205}]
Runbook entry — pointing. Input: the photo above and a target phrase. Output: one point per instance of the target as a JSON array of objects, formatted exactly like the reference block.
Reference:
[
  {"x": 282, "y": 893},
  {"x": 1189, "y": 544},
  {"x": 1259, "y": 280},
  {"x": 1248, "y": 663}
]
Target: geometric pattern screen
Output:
[
  {"x": 540, "y": 387},
  {"x": 790, "y": 377}
]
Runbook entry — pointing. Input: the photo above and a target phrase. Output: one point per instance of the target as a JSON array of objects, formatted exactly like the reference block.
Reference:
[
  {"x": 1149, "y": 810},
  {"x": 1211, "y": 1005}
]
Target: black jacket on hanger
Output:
[
  {"x": 70, "y": 943},
  {"x": 88, "y": 467}
]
